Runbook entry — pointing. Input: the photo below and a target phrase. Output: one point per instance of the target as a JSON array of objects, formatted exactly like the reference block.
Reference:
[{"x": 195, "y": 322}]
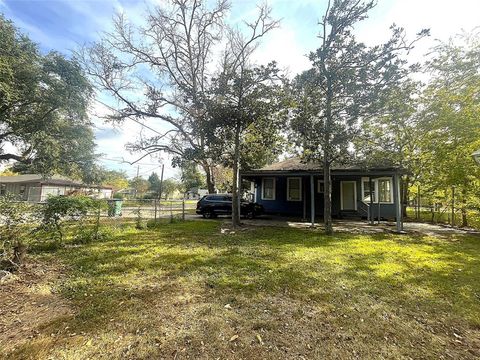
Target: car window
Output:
[
  {"x": 215, "y": 198},
  {"x": 228, "y": 198}
]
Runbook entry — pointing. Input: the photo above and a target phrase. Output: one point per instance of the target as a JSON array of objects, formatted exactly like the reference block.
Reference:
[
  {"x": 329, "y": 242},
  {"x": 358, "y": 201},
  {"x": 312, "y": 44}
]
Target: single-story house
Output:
[
  {"x": 36, "y": 188},
  {"x": 296, "y": 188}
]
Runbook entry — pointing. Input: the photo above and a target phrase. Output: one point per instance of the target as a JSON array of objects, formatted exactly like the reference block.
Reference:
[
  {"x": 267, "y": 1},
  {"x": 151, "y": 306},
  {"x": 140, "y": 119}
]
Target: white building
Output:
[{"x": 35, "y": 188}]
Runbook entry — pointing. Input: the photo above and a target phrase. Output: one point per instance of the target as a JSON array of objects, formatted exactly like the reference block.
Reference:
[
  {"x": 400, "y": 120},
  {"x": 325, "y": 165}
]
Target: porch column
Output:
[
  {"x": 372, "y": 194},
  {"x": 312, "y": 199},
  {"x": 304, "y": 197},
  {"x": 398, "y": 202}
]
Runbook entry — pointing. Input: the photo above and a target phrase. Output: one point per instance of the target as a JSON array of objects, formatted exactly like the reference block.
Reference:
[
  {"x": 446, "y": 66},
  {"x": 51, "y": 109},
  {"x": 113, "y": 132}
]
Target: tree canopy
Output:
[
  {"x": 344, "y": 88},
  {"x": 44, "y": 99}
]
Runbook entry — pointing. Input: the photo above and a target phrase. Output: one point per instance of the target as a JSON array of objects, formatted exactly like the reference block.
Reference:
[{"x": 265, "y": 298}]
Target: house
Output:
[
  {"x": 295, "y": 188},
  {"x": 35, "y": 188}
]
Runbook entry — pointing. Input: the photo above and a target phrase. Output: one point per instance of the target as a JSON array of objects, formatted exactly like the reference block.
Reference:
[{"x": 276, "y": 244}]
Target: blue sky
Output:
[{"x": 64, "y": 24}]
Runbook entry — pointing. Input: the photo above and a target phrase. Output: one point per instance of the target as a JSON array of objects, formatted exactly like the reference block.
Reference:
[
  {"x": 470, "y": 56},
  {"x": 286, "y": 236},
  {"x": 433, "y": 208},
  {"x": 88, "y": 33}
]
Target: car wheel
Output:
[
  {"x": 208, "y": 214},
  {"x": 250, "y": 214}
]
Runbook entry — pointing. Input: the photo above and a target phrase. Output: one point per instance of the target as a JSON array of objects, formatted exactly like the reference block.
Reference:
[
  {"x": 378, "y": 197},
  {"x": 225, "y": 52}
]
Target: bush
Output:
[
  {"x": 59, "y": 210},
  {"x": 118, "y": 196},
  {"x": 14, "y": 217}
]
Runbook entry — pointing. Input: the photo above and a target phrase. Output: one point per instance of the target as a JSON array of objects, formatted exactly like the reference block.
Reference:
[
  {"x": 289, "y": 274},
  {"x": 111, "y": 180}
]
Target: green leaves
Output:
[{"x": 43, "y": 108}]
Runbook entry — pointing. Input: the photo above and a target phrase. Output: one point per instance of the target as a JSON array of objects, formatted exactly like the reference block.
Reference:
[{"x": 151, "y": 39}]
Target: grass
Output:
[
  {"x": 185, "y": 290},
  {"x": 444, "y": 217}
]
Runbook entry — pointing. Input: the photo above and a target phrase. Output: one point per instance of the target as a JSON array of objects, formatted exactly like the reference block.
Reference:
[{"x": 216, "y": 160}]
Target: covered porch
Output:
[{"x": 356, "y": 194}]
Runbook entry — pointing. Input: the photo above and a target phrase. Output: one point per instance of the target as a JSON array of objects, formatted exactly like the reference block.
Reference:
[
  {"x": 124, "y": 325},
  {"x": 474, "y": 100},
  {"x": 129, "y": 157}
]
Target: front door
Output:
[{"x": 348, "y": 194}]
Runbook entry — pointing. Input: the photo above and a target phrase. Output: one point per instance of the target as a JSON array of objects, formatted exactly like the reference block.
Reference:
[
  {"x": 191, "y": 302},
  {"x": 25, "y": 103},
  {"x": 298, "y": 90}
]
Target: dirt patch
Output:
[{"x": 28, "y": 303}]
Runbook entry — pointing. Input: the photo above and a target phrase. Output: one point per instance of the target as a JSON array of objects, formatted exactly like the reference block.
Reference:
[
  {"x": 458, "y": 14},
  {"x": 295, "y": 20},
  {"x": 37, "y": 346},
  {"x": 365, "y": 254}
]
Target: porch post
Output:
[
  {"x": 312, "y": 199},
  {"x": 398, "y": 203},
  {"x": 372, "y": 194},
  {"x": 304, "y": 197}
]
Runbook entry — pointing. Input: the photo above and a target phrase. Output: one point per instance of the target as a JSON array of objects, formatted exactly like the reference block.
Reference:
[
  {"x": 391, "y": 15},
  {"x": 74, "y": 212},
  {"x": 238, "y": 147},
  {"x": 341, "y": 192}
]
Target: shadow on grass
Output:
[{"x": 121, "y": 280}]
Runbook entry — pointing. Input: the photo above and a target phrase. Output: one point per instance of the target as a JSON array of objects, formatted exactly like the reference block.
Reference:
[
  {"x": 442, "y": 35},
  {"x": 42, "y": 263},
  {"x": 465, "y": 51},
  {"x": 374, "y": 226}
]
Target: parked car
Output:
[{"x": 212, "y": 205}]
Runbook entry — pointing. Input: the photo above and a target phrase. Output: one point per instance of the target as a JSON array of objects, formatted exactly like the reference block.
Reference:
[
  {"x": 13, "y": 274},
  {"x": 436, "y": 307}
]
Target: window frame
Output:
[
  {"x": 299, "y": 189},
  {"x": 376, "y": 190},
  {"x": 274, "y": 188},
  {"x": 366, "y": 179},
  {"x": 318, "y": 186},
  {"x": 390, "y": 180}
]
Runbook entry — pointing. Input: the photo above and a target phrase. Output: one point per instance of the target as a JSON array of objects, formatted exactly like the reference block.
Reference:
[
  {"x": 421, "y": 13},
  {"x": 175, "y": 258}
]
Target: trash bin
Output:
[{"x": 115, "y": 207}]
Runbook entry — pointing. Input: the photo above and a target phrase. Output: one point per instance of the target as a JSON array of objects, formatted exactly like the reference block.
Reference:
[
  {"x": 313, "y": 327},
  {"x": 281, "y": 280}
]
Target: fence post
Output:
[
  {"x": 453, "y": 206},
  {"x": 418, "y": 202},
  {"x": 183, "y": 209}
]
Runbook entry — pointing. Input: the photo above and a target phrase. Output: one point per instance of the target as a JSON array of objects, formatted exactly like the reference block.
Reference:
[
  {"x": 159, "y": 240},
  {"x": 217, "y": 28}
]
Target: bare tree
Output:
[{"x": 160, "y": 70}]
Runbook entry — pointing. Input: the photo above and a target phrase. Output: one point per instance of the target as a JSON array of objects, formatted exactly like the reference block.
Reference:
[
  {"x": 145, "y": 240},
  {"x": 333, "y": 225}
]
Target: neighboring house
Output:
[
  {"x": 195, "y": 193},
  {"x": 35, "y": 188},
  {"x": 294, "y": 188}
]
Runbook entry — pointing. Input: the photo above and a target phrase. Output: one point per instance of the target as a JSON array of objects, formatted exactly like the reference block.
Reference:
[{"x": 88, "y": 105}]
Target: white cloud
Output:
[{"x": 283, "y": 46}]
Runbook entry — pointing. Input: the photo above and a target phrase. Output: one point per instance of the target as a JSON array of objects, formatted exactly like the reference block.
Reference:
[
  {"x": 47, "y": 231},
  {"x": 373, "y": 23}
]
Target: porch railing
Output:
[{"x": 364, "y": 209}]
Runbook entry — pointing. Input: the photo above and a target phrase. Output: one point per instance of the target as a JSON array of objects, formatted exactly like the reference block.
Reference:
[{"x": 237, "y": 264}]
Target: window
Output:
[
  {"x": 3, "y": 189},
  {"x": 367, "y": 191},
  {"x": 268, "y": 189},
  {"x": 320, "y": 186},
  {"x": 294, "y": 189},
  {"x": 385, "y": 190},
  {"x": 215, "y": 198},
  {"x": 382, "y": 190}
]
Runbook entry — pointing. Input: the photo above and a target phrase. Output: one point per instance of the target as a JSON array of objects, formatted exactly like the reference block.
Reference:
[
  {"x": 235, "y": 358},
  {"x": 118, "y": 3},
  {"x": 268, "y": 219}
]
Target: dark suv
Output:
[{"x": 221, "y": 204}]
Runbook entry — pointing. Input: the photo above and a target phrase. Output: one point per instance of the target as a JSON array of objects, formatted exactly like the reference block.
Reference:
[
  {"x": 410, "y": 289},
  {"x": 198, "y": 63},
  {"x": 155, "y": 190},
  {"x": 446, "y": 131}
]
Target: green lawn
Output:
[{"x": 185, "y": 290}]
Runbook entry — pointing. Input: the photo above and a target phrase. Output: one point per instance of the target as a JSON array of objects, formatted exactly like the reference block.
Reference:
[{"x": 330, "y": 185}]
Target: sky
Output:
[{"x": 63, "y": 25}]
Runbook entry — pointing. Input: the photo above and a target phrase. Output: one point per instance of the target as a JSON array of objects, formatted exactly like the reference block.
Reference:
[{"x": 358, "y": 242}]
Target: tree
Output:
[
  {"x": 43, "y": 108},
  {"x": 154, "y": 181},
  {"x": 190, "y": 177},
  {"x": 140, "y": 185},
  {"x": 117, "y": 179},
  {"x": 343, "y": 88},
  {"x": 160, "y": 71},
  {"x": 393, "y": 138},
  {"x": 245, "y": 98},
  {"x": 169, "y": 187},
  {"x": 451, "y": 123}
]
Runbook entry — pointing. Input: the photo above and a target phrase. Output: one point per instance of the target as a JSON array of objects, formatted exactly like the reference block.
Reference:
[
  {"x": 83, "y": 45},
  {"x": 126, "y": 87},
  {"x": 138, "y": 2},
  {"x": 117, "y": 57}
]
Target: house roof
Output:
[
  {"x": 52, "y": 180},
  {"x": 296, "y": 164}
]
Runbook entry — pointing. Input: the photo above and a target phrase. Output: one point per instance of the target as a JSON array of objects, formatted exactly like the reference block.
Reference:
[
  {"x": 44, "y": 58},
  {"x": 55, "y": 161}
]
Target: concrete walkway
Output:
[{"x": 361, "y": 227}]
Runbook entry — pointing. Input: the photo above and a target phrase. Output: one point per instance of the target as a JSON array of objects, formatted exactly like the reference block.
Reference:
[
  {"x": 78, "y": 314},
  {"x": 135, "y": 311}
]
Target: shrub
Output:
[
  {"x": 118, "y": 196},
  {"x": 15, "y": 215},
  {"x": 59, "y": 210}
]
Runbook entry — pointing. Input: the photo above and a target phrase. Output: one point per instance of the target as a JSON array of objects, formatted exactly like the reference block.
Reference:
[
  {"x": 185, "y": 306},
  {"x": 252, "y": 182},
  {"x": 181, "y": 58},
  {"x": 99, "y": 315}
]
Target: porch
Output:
[{"x": 297, "y": 191}]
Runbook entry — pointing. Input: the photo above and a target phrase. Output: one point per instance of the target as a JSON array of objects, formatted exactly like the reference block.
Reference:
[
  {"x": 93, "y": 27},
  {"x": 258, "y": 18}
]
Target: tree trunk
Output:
[
  {"x": 327, "y": 194},
  {"x": 235, "y": 187},
  {"x": 209, "y": 178}
]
